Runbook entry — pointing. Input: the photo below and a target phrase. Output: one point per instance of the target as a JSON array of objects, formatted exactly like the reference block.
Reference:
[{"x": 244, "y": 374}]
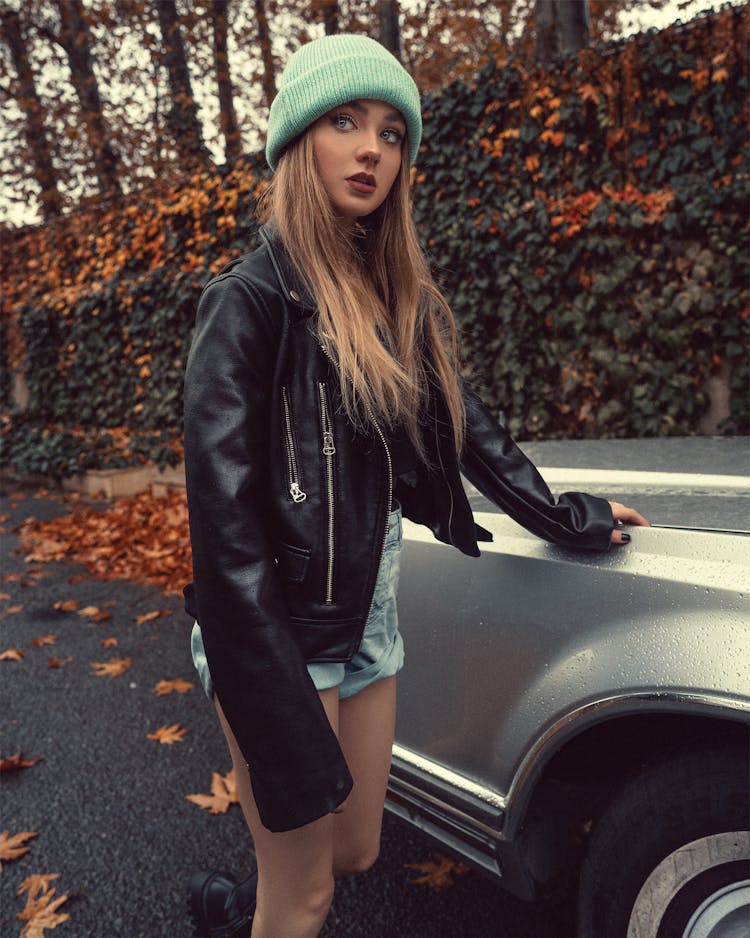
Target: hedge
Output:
[{"x": 587, "y": 225}]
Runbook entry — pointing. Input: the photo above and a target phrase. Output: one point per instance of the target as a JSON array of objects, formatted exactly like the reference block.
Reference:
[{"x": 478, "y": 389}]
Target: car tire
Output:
[{"x": 670, "y": 854}]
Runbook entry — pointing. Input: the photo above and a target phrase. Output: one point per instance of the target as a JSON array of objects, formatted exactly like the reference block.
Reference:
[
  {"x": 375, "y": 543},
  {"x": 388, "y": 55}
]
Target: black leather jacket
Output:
[{"x": 288, "y": 511}]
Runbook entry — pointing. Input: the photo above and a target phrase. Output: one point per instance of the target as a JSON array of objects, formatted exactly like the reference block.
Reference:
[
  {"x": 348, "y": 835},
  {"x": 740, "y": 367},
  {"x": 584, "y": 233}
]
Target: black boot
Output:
[{"x": 220, "y": 906}]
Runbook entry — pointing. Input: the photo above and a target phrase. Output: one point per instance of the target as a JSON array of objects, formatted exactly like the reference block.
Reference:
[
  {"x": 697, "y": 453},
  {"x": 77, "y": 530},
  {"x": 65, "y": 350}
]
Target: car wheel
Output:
[{"x": 670, "y": 854}]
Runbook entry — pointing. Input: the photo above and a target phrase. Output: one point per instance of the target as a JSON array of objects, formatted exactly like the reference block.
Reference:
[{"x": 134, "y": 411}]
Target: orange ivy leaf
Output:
[
  {"x": 16, "y": 762},
  {"x": 109, "y": 642},
  {"x": 12, "y": 654},
  {"x": 13, "y": 847},
  {"x": 44, "y": 640},
  {"x": 589, "y": 93},
  {"x": 112, "y": 668},
  {"x": 439, "y": 875},
  {"x": 169, "y": 734},
  {"x": 4, "y": 596},
  {"x": 12, "y": 610},
  {"x": 41, "y": 908},
  {"x": 58, "y": 662},
  {"x": 150, "y": 616},
  {"x": 223, "y": 793},
  {"x": 169, "y": 687}
]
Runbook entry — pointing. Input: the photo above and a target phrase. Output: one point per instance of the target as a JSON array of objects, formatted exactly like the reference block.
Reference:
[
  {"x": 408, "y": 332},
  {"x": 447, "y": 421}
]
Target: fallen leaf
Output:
[
  {"x": 77, "y": 578},
  {"x": 12, "y": 654},
  {"x": 41, "y": 906},
  {"x": 150, "y": 616},
  {"x": 438, "y": 875},
  {"x": 168, "y": 687},
  {"x": 15, "y": 762},
  {"x": 13, "y": 847},
  {"x": 95, "y": 613},
  {"x": 223, "y": 793},
  {"x": 109, "y": 642},
  {"x": 169, "y": 734},
  {"x": 58, "y": 662},
  {"x": 66, "y": 605},
  {"x": 12, "y": 610},
  {"x": 4, "y": 595},
  {"x": 112, "y": 668},
  {"x": 44, "y": 640}
]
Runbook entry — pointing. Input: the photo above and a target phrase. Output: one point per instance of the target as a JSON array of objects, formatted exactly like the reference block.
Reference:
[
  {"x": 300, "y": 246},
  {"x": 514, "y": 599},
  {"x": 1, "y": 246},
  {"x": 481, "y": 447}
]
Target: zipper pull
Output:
[
  {"x": 296, "y": 492},
  {"x": 328, "y": 448}
]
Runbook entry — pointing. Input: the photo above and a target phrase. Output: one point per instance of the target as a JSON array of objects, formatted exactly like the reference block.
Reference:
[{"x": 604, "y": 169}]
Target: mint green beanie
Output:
[{"x": 334, "y": 70}]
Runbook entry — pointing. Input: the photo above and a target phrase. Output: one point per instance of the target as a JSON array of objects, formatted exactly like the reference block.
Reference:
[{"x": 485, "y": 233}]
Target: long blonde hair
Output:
[{"x": 379, "y": 309}]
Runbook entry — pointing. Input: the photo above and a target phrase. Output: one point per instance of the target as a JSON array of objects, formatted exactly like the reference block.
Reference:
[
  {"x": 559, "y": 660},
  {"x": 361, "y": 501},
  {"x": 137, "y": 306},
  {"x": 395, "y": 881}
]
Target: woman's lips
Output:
[{"x": 362, "y": 182}]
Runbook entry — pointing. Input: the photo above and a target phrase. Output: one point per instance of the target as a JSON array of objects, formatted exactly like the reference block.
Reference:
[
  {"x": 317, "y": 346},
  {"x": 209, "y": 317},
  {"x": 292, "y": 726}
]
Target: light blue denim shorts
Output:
[{"x": 381, "y": 653}]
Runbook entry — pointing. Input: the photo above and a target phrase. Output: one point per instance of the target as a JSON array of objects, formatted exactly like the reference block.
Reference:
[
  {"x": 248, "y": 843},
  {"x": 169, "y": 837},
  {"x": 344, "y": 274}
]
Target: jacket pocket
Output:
[
  {"x": 329, "y": 450},
  {"x": 293, "y": 562},
  {"x": 295, "y": 483}
]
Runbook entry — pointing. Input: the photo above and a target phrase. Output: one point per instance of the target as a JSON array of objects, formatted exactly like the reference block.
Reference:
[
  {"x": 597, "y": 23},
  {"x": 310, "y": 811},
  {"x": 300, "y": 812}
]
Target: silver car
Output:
[{"x": 582, "y": 721}]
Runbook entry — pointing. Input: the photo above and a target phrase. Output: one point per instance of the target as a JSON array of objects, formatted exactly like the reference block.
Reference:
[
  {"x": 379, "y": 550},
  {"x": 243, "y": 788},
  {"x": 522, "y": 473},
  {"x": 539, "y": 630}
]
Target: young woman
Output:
[{"x": 322, "y": 401}]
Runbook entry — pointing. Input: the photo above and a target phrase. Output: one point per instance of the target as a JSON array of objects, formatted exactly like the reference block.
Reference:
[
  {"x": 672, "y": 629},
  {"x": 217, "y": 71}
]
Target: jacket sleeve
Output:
[
  {"x": 297, "y": 769},
  {"x": 499, "y": 469}
]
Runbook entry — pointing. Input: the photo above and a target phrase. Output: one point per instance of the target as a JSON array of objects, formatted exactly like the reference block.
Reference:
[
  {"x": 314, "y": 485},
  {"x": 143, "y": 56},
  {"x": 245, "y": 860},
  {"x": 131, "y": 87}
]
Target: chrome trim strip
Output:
[
  {"x": 632, "y": 478},
  {"x": 448, "y": 777}
]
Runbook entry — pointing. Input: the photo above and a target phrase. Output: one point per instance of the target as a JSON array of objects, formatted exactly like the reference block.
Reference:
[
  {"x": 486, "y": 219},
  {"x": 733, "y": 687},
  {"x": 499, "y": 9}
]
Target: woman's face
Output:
[{"x": 357, "y": 149}]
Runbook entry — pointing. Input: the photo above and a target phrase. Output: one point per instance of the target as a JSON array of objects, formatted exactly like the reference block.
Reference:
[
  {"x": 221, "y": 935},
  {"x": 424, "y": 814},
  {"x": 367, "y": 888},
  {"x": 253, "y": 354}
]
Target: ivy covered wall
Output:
[{"x": 589, "y": 227}]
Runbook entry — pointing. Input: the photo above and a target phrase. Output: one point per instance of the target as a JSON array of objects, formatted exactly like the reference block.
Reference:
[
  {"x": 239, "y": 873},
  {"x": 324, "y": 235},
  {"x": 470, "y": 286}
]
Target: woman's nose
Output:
[{"x": 369, "y": 150}]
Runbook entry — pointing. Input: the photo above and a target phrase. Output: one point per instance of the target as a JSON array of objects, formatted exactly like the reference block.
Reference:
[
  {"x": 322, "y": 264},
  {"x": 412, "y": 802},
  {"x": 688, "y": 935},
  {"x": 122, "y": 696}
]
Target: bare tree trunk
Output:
[
  {"x": 562, "y": 28},
  {"x": 75, "y": 38},
  {"x": 264, "y": 39},
  {"x": 28, "y": 100},
  {"x": 183, "y": 114},
  {"x": 227, "y": 115},
  {"x": 390, "y": 33},
  {"x": 330, "y": 16}
]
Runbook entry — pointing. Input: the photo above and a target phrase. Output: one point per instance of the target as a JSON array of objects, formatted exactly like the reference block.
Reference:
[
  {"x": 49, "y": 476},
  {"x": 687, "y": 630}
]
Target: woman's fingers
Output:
[{"x": 624, "y": 515}]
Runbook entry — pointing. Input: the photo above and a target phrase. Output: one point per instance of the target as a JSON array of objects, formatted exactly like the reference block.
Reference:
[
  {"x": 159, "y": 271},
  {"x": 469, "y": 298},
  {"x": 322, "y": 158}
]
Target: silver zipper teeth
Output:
[
  {"x": 295, "y": 489},
  {"x": 328, "y": 451},
  {"x": 380, "y": 433}
]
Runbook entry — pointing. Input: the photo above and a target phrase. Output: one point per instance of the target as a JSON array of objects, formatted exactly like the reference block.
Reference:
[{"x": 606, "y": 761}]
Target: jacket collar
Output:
[{"x": 292, "y": 284}]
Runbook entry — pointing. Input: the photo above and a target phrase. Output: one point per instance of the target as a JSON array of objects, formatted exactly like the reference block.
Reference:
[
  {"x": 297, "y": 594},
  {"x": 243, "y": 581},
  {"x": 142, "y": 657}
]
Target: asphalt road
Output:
[{"x": 108, "y": 803}]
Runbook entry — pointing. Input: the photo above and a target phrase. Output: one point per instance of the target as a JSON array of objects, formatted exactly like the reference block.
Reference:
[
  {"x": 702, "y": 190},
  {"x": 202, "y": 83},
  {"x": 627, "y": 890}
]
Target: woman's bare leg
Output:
[
  {"x": 365, "y": 731},
  {"x": 295, "y": 881}
]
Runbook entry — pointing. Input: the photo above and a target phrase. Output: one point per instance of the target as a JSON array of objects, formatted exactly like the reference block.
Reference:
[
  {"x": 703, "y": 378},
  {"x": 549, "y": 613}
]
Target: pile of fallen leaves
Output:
[{"x": 141, "y": 538}]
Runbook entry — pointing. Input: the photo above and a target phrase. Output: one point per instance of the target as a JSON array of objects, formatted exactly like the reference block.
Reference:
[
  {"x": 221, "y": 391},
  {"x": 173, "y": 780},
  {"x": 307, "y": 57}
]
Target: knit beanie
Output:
[{"x": 334, "y": 70}]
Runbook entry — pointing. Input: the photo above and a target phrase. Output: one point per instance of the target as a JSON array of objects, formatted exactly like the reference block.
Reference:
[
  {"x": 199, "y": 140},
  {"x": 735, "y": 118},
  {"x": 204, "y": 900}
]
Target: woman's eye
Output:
[
  {"x": 392, "y": 135},
  {"x": 342, "y": 121}
]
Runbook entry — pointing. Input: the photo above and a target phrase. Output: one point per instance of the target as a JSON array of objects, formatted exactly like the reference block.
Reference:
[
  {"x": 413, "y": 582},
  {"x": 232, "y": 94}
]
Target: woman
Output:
[{"x": 322, "y": 400}]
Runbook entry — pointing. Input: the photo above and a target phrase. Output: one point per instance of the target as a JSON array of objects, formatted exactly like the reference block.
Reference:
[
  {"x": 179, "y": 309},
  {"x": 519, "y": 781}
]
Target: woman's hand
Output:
[{"x": 624, "y": 515}]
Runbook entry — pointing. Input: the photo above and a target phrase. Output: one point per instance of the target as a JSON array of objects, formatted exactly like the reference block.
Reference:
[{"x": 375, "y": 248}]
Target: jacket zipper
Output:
[
  {"x": 389, "y": 500},
  {"x": 329, "y": 449},
  {"x": 295, "y": 490}
]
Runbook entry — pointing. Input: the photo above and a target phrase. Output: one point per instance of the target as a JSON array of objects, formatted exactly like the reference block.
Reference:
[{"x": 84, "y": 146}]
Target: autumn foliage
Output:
[{"x": 586, "y": 223}]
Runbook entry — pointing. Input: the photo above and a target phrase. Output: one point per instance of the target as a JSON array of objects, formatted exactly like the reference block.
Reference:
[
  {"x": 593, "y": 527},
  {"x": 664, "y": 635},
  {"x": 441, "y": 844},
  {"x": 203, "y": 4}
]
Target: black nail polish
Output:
[{"x": 625, "y": 538}]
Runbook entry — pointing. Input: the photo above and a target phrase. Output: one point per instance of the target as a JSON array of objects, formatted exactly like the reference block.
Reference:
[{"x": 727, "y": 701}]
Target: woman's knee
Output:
[{"x": 355, "y": 861}]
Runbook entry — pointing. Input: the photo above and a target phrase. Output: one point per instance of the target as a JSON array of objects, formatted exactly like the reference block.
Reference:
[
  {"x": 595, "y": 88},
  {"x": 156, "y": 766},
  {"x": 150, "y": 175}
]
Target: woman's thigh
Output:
[{"x": 365, "y": 730}]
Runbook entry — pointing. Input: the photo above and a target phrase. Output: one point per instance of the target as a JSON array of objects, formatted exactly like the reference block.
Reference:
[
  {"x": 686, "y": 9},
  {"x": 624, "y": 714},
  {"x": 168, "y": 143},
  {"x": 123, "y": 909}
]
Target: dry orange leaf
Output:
[
  {"x": 169, "y": 734},
  {"x": 58, "y": 662},
  {"x": 12, "y": 654},
  {"x": 169, "y": 687},
  {"x": 13, "y": 847},
  {"x": 150, "y": 616},
  {"x": 66, "y": 605},
  {"x": 41, "y": 906},
  {"x": 4, "y": 595},
  {"x": 223, "y": 793},
  {"x": 109, "y": 642},
  {"x": 95, "y": 613},
  {"x": 112, "y": 668},
  {"x": 438, "y": 875},
  {"x": 12, "y": 610},
  {"x": 15, "y": 762},
  {"x": 44, "y": 640}
]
